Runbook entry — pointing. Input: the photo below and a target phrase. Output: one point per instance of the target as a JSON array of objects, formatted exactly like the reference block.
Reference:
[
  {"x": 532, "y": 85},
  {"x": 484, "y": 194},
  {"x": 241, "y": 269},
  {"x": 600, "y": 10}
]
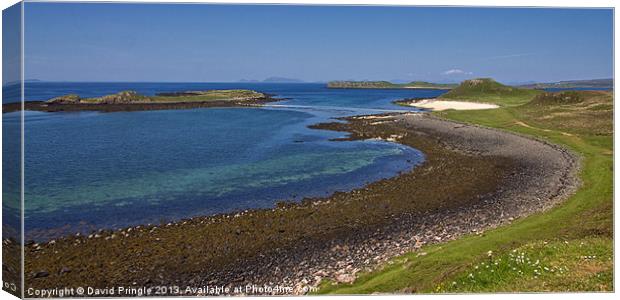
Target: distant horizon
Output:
[{"x": 264, "y": 82}]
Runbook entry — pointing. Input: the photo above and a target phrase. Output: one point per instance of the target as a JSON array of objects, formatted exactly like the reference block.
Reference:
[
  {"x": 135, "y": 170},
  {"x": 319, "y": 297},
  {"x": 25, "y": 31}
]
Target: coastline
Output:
[{"x": 338, "y": 236}]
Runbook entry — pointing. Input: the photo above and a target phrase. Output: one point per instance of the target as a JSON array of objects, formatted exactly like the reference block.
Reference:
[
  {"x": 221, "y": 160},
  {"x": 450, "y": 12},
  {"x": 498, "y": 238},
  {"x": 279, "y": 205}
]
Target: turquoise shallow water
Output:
[{"x": 92, "y": 170}]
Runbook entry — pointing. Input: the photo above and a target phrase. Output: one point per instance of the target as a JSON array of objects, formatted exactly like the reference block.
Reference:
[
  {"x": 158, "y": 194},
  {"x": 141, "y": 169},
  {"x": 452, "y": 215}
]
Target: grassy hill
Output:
[
  {"x": 490, "y": 91},
  {"x": 568, "y": 248},
  {"x": 388, "y": 85}
]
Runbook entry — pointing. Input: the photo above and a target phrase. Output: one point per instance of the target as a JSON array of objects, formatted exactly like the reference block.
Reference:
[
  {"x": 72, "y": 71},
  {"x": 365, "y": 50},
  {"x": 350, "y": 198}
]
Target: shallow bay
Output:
[{"x": 91, "y": 170}]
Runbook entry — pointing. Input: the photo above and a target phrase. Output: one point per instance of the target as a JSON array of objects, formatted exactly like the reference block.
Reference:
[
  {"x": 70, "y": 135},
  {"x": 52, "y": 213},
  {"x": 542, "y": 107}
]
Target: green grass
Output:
[
  {"x": 576, "y": 265},
  {"x": 213, "y": 95},
  {"x": 489, "y": 91},
  {"x": 586, "y": 217}
]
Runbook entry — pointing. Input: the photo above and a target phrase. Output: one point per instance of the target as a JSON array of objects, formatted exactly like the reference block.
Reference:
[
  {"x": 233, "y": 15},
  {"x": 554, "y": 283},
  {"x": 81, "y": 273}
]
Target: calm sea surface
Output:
[{"x": 90, "y": 170}]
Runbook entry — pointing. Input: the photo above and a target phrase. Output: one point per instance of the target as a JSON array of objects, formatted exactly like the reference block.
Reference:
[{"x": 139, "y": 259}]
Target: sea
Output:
[{"x": 85, "y": 171}]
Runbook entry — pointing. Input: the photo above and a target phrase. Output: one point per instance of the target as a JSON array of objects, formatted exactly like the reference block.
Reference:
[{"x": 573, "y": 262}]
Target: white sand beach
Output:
[{"x": 457, "y": 105}]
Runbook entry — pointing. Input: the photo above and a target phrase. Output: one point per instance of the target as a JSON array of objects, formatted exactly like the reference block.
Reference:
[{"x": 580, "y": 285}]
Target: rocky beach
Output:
[{"x": 473, "y": 179}]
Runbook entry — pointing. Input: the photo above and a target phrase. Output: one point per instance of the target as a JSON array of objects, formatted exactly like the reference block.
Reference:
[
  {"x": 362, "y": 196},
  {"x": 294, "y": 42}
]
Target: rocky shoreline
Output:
[{"x": 297, "y": 245}]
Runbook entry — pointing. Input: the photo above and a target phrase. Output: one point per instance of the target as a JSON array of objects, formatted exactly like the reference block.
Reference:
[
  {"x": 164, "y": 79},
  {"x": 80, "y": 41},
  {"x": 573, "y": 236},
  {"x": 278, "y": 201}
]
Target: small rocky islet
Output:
[{"x": 133, "y": 101}]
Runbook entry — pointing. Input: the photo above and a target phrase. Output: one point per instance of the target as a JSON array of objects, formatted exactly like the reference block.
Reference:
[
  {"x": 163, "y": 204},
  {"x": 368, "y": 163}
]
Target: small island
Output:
[
  {"x": 389, "y": 85},
  {"x": 133, "y": 101}
]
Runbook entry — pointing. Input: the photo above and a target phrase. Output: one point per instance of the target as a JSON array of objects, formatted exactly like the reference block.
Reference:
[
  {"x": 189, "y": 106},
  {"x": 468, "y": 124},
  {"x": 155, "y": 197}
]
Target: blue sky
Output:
[
  {"x": 180, "y": 42},
  {"x": 11, "y": 47}
]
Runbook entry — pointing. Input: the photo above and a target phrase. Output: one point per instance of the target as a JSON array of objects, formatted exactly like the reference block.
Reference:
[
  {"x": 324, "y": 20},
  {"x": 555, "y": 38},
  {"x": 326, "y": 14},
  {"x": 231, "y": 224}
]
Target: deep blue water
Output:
[{"x": 86, "y": 170}]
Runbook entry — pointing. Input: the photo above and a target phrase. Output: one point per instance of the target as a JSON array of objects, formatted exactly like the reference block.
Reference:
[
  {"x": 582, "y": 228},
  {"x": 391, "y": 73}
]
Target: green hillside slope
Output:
[{"x": 491, "y": 91}]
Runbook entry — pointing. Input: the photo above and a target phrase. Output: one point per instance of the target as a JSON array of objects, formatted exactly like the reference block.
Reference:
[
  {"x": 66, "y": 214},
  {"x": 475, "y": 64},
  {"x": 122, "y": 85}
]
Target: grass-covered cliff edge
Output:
[
  {"x": 568, "y": 248},
  {"x": 388, "y": 85},
  {"x": 131, "y": 100}
]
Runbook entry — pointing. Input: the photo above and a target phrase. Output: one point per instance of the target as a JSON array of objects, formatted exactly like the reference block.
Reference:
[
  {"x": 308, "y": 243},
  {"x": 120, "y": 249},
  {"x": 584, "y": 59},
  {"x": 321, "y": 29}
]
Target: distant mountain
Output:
[
  {"x": 248, "y": 80},
  {"x": 388, "y": 85},
  {"x": 606, "y": 83},
  {"x": 282, "y": 80}
]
